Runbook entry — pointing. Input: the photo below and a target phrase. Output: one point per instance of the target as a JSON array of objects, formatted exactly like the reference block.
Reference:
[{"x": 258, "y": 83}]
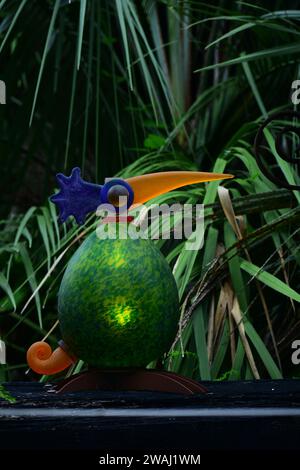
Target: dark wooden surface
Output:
[{"x": 233, "y": 415}]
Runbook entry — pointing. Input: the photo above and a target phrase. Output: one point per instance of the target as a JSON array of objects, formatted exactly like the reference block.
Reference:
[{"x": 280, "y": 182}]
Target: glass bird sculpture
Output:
[{"x": 118, "y": 304}]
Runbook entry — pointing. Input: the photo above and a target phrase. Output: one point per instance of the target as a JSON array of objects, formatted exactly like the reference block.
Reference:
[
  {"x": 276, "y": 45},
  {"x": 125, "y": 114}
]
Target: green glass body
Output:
[{"x": 118, "y": 303}]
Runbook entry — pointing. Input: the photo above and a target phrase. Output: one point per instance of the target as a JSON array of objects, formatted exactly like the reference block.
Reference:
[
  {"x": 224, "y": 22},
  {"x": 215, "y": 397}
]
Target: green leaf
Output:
[
  {"x": 154, "y": 141},
  {"x": 89, "y": 85},
  {"x": 269, "y": 280},
  {"x": 43, "y": 231},
  {"x": 185, "y": 262},
  {"x": 71, "y": 110},
  {"x": 261, "y": 349},
  {"x": 286, "y": 167},
  {"x": 221, "y": 351},
  {"x": 23, "y": 223},
  {"x": 16, "y": 16},
  {"x": 254, "y": 88},
  {"x": 5, "y": 395},
  {"x": 201, "y": 346},
  {"x": 26, "y": 234},
  {"x": 80, "y": 31},
  {"x": 49, "y": 228},
  {"x": 2, "y": 4},
  {"x": 238, "y": 361},
  {"x": 232, "y": 32},
  {"x": 31, "y": 279},
  {"x": 210, "y": 247},
  {"x": 121, "y": 18},
  {"x": 53, "y": 215},
  {"x": 212, "y": 186},
  {"x": 46, "y": 50},
  {"x": 19, "y": 233},
  {"x": 273, "y": 51},
  {"x": 7, "y": 289}
]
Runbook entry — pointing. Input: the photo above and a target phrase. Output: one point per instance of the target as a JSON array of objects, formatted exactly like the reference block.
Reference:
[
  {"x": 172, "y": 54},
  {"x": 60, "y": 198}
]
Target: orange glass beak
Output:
[{"x": 148, "y": 186}]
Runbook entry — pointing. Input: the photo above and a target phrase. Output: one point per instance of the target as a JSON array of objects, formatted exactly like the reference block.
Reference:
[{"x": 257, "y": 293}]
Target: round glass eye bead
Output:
[{"x": 118, "y": 195}]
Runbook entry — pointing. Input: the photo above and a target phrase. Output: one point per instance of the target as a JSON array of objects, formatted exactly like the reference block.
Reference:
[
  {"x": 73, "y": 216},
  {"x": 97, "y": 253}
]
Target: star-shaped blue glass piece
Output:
[{"x": 76, "y": 196}]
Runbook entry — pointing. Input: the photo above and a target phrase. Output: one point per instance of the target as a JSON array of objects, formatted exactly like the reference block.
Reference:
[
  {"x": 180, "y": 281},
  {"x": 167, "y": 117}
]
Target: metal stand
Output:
[{"x": 130, "y": 379}]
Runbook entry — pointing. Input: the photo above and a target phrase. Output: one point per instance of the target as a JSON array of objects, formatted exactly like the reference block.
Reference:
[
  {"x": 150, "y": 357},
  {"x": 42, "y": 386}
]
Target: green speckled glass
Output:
[{"x": 118, "y": 303}]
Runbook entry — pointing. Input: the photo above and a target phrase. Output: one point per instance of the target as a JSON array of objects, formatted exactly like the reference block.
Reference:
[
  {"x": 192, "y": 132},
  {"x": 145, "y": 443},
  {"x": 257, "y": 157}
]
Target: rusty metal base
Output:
[{"x": 130, "y": 379}]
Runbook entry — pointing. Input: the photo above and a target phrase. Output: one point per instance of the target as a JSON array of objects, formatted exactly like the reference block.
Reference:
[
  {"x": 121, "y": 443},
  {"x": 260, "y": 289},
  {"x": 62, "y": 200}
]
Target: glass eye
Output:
[{"x": 118, "y": 195}]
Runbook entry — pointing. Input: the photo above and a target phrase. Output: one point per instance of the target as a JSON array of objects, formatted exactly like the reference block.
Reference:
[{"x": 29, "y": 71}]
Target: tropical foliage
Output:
[{"x": 127, "y": 87}]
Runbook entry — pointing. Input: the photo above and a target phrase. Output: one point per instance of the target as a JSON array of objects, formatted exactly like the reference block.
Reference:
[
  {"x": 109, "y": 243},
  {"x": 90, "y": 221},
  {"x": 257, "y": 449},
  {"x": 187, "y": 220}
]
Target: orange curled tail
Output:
[{"x": 42, "y": 360}]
